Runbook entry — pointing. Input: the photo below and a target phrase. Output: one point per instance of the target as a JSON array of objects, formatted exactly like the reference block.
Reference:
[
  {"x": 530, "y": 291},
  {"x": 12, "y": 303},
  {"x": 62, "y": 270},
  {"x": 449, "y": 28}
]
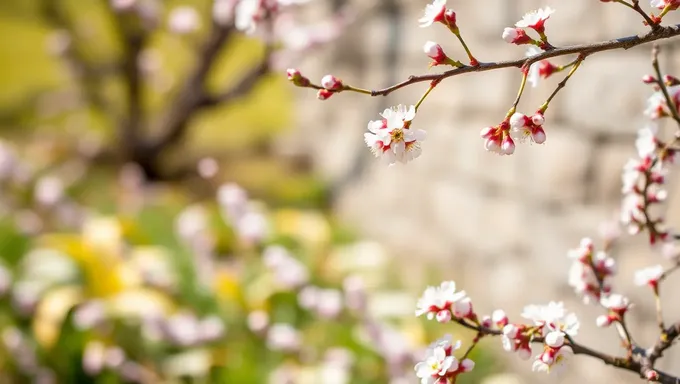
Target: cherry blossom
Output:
[
  {"x": 439, "y": 299},
  {"x": 657, "y": 107},
  {"x": 434, "y": 13},
  {"x": 439, "y": 365},
  {"x": 516, "y": 36},
  {"x": 523, "y": 127},
  {"x": 661, "y": 4},
  {"x": 552, "y": 360},
  {"x": 435, "y": 366},
  {"x": 392, "y": 138},
  {"x": 541, "y": 69},
  {"x": 649, "y": 276},
  {"x": 535, "y": 19}
]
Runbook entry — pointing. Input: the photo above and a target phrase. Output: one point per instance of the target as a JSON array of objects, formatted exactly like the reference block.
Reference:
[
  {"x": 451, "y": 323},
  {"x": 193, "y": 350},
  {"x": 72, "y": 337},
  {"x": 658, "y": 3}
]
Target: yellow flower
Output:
[{"x": 51, "y": 312}]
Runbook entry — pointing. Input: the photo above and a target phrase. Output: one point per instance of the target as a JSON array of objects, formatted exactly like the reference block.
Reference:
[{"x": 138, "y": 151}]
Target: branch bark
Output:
[
  {"x": 580, "y": 49},
  {"x": 192, "y": 95}
]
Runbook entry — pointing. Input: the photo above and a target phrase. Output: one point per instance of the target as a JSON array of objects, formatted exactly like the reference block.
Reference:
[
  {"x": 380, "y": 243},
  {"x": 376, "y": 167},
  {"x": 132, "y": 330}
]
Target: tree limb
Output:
[{"x": 581, "y": 49}]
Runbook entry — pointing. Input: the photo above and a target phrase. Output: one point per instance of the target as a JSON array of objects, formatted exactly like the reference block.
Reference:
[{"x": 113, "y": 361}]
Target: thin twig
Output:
[
  {"x": 582, "y": 49},
  {"x": 672, "y": 106}
]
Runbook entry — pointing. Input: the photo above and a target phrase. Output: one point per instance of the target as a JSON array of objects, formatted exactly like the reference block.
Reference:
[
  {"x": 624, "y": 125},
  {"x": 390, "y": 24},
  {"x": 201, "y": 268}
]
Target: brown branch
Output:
[
  {"x": 665, "y": 341},
  {"x": 648, "y": 20},
  {"x": 672, "y": 106},
  {"x": 581, "y": 49},
  {"x": 244, "y": 86},
  {"x": 640, "y": 368},
  {"x": 86, "y": 75},
  {"x": 192, "y": 94}
]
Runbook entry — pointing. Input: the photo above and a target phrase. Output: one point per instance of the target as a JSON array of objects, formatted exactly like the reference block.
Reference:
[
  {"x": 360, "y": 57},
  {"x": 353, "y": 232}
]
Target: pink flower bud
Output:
[
  {"x": 547, "y": 357},
  {"x": 467, "y": 365},
  {"x": 546, "y": 68},
  {"x": 538, "y": 136},
  {"x": 450, "y": 18},
  {"x": 518, "y": 120},
  {"x": 516, "y": 36},
  {"x": 463, "y": 308},
  {"x": 444, "y": 316},
  {"x": 324, "y": 94},
  {"x": 603, "y": 321},
  {"x": 331, "y": 83},
  {"x": 510, "y": 331},
  {"x": 435, "y": 52},
  {"x": 538, "y": 119},
  {"x": 524, "y": 353},
  {"x": 296, "y": 77},
  {"x": 554, "y": 339},
  {"x": 486, "y": 321},
  {"x": 648, "y": 79},
  {"x": 499, "y": 318},
  {"x": 293, "y": 74},
  {"x": 487, "y": 132},
  {"x": 508, "y": 146},
  {"x": 670, "y": 80}
]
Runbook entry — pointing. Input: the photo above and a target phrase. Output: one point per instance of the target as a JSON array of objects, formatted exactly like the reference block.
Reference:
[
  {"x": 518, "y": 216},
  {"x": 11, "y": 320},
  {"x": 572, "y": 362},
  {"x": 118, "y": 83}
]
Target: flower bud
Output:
[
  {"x": 467, "y": 365},
  {"x": 538, "y": 136},
  {"x": 648, "y": 79},
  {"x": 603, "y": 321},
  {"x": 450, "y": 18},
  {"x": 554, "y": 339},
  {"x": 444, "y": 316},
  {"x": 463, "y": 308},
  {"x": 524, "y": 353},
  {"x": 538, "y": 119},
  {"x": 670, "y": 80},
  {"x": 510, "y": 331},
  {"x": 296, "y": 77},
  {"x": 324, "y": 94},
  {"x": 515, "y": 36},
  {"x": 508, "y": 146},
  {"x": 486, "y": 321},
  {"x": 331, "y": 83},
  {"x": 435, "y": 52},
  {"x": 499, "y": 318}
]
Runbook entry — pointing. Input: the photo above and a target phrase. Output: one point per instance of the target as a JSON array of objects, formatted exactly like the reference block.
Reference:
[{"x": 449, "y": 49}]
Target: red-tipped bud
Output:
[
  {"x": 670, "y": 80},
  {"x": 516, "y": 36},
  {"x": 546, "y": 69},
  {"x": 649, "y": 79},
  {"x": 295, "y": 77},
  {"x": 324, "y": 94},
  {"x": 450, "y": 18},
  {"x": 331, "y": 83}
]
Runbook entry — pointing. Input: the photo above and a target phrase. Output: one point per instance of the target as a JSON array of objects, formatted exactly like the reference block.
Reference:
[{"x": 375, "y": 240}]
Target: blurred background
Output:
[{"x": 173, "y": 211}]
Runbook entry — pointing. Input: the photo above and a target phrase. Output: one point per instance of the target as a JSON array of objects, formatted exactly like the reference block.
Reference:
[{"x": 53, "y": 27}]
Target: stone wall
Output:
[{"x": 500, "y": 226}]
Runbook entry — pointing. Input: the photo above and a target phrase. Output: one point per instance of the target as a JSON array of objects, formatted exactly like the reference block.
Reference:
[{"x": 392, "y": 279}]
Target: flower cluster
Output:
[
  {"x": 643, "y": 177},
  {"x": 551, "y": 323},
  {"x": 444, "y": 303},
  {"x": 392, "y": 138},
  {"x": 501, "y": 138},
  {"x": 440, "y": 366},
  {"x": 591, "y": 272},
  {"x": 533, "y": 20}
]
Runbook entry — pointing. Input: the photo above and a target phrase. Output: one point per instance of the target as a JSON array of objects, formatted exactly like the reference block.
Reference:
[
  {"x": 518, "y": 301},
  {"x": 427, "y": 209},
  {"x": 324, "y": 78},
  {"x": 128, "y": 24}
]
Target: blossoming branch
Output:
[{"x": 394, "y": 139}]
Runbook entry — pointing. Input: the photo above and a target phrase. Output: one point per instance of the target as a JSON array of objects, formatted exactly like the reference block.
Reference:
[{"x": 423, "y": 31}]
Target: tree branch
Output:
[
  {"x": 192, "y": 94},
  {"x": 640, "y": 368},
  {"x": 244, "y": 86},
  {"x": 581, "y": 49},
  {"x": 665, "y": 341}
]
